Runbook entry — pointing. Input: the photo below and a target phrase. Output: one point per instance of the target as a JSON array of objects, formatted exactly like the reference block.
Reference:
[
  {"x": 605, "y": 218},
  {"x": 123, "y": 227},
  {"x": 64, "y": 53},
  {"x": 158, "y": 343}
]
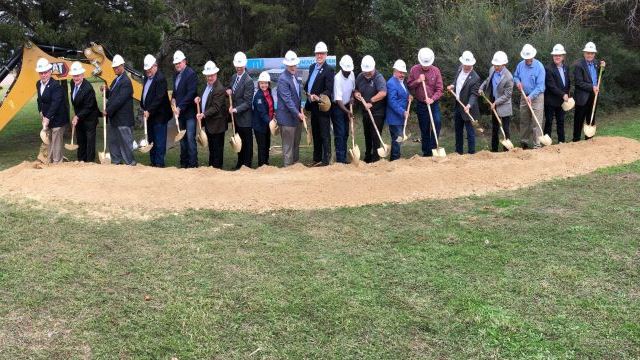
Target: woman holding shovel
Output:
[
  {"x": 397, "y": 109},
  {"x": 263, "y": 112},
  {"x": 498, "y": 89}
]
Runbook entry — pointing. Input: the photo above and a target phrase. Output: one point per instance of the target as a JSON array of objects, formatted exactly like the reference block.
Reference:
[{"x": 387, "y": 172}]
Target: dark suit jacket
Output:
[
  {"x": 157, "y": 100},
  {"x": 52, "y": 104},
  {"x": 261, "y": 112},
  {"x": 323, "y": 84},
  {"x": 583, "y": 83},
  {"x": 216, "y": 113},
  {"x": 469, "y": 92},
  {"x": 242, "y": 98},
  {"x": 84, "y": 104},
  {"x": 120, "y": 102},
  {"x": 554, "y": 89},
  {"x": 185, "y": 93}
]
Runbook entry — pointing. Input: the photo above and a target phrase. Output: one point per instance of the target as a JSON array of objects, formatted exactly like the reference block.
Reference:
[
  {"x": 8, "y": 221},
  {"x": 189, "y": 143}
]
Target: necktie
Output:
[
  {"x": 235, "y": 84},
  {"x": 75, "y": 91}
]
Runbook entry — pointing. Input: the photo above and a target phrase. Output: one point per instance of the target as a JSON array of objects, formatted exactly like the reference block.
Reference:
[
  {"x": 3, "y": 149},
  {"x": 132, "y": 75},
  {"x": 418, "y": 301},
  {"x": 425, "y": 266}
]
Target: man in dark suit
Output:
[
  {"x": 466, "y": 88},
  {"x": 585, "y": 73},
  {"x": 321, "y": 77},
  {"x": 53, "y": 109},
  {"x": 215, "y": 113},
  {"x": 557, "y": 87},
  {"x": 157, "y": 109},
  {"x": 242, "y": 93},
  {"x": 185, "y": 84},
  {"x": 85, "y": 106},
  {"x": 119, "y": 114}
]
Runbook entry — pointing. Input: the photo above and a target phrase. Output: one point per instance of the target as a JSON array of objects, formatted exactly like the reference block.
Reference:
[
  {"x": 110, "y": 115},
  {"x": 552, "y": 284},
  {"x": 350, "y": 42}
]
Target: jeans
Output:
[
  {"x": 188, "y": 145},
  {"x": 426, "y": 133},
  {"x": 395, "y": 131},
  {"x": 158, "y": 136},
  {"x": 462, "y": 122},
  {"x": 340, "y": 133}
]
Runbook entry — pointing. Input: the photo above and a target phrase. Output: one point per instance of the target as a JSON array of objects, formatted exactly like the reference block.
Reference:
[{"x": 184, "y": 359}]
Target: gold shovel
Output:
[
  {"x": 104, "y": 156},
  {"x": 235, "y": 140},
  {"x": 202, "y": 136},
  {"x": 383, "y": 150},
  {"x": 354, "y": 152},
  {"x": 438, "y": 151},
  {"x": 306, "y": 129},
  {"x": 545, "y": 139},
  {"x": 404, "y": 136},
  {"x": 44, "y": 135},
  {"x": 590, "y": 129},
  {"x": 72, "y": 146},
  {"x": 273, "y": 127},
  {"x": 145, "y": 147},
  {"x": 180, "y": 133},
  {"x": 505, "y": 142}
]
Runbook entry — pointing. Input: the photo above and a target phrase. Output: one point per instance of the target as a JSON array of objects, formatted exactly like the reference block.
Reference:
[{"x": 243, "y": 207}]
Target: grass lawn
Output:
[{"x": 551, "y": 271}]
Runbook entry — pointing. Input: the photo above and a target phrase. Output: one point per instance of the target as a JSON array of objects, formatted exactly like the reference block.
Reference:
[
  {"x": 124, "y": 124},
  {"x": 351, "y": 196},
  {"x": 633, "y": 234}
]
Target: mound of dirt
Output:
[{"x": 145, "y": 190}]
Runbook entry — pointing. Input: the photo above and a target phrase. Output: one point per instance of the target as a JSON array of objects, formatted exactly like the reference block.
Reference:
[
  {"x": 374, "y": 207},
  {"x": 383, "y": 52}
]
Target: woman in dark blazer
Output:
[{"x": 263, "y": 112}]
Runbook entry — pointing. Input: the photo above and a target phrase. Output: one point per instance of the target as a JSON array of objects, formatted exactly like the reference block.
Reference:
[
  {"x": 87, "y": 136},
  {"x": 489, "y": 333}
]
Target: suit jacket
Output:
[
  {"x": 52, "y": 104},
  {"x": 504, "y": 91},
  {"x": 120, "y": 102},
  {"x": 288, "y": 100},
  {"x": 216, "y": 112},
  {"x": 157, "y": 100},
  {"x": 583, "y": 83},
  {"x": 85, "y": 104},
  {"x": 554, "y": 88},
  {"x": 185, "y": 92},
  {"x": 469, "y": 92},
  {"x": 261, "y": 112},
  {"x": 242, "y": 99},
  {"x": 397, "y": 100},
  {"x": 323, "y": 84}
]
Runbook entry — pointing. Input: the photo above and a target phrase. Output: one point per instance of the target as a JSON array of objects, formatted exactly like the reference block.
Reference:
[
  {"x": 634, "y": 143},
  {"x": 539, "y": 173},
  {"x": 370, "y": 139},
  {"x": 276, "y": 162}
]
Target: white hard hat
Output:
[
  {"x": 264, "y": 77},
  {"x": 321, "y": 47},
  {"x": 499, "y": 58},
  {"x": 590, "y": 47},
  {"x": 346, "y": 63},
  {"x": 368, "y": 64},
  {"x": 291, "y": 59},
  {"x": 43, "y": 65},
  {"x": 149, "y": 61},
  {"x": 210, "y": 68},
  {"x": 400, "y": 66},
  {"x": 178, "y": 56},
  {"x": 239, "y": 59},
  {"x": 467, "y": 58},
  {"x": 426, "y": 57},
  {"x": 528, "y": 52},
  {"x": 76, "y": 69},
  {"x": 117, "y": 61},
  {"x": 558, "y": 49}
]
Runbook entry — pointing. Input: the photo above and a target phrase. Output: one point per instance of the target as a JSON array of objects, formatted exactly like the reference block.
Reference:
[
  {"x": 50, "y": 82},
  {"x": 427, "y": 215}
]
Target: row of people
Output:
[{"x": 544, "y": 89}]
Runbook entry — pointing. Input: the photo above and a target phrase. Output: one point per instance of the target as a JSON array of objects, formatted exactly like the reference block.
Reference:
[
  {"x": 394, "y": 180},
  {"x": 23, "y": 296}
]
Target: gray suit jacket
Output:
[
  {"x": 505, "y": 90},
  {"x": 243, "y": 99}
]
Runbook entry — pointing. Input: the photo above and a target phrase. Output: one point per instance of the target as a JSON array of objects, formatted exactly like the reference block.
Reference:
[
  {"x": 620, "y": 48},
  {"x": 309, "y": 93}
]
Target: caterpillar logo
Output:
[{"x": 60, "y": 69}]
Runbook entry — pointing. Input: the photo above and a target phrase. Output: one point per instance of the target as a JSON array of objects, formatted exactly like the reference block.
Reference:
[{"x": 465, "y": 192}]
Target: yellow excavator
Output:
[{"x": 22, "y": 89}]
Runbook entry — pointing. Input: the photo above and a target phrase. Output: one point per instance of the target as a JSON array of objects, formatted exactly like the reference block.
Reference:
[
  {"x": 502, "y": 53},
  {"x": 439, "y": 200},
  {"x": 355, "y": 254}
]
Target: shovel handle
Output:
[
  {"x": 364, "y": 103},
  {"x": 233, "y": 118},
  {"x": 463, "y": 105},
  {"x": 595, "y": 100},
  {"x": 495, "y": 113},
  {"x": 351, "y": 126},
  {"x": 433, "y": 125},
  {"x": 73, "y": 132},
  {"x": 532, "y": 112},
  {"x": 104, "y": 127}
]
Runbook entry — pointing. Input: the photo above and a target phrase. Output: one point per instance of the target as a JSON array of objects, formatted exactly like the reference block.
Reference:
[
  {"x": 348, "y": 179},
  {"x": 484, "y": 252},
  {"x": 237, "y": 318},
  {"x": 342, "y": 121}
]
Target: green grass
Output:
[{"x": 550, "y": 271}]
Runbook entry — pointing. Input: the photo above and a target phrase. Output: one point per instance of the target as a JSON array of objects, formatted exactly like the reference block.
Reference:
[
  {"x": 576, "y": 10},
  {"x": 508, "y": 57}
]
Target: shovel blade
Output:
[
  {"x": 383, "y": 151},
  {"x": 180, "y": 135},
  {"x": 439, "y": 152},
  {"x": 236, "y": 143},
  {"x": 44, "y": 137},
  {"x": 145, "y": 149},
  {"x": 400, "y": 139},
  {"x": 71, "y": 147},
  {"x": 202, "y": 139},
  {"x": 105, "y": 158},
  {"x": 545, "y": 140},
  {"x": 507, "y": 144},
  {"x": 589, "y": 130}
]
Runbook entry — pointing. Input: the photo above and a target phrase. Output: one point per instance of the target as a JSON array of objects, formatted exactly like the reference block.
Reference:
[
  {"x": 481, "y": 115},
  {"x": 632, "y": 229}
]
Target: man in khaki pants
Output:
[
  {"x": 53, "y": 109},
  {"x": 529, "y": 78}
]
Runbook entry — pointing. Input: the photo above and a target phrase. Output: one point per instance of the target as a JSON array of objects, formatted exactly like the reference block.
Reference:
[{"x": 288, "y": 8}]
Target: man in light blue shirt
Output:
[{"x": 529, "y": 78}]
